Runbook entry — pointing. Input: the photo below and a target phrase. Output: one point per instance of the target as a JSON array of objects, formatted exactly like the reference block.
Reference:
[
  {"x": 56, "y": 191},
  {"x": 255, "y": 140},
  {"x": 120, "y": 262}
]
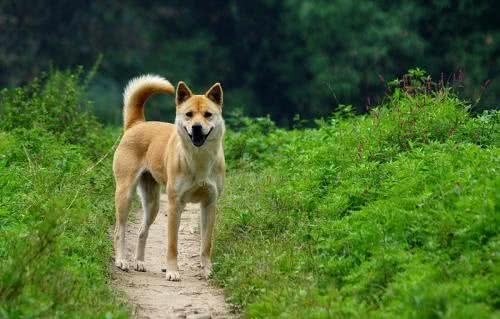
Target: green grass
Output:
[
  {"x": 56, "y": 206},
  {"x": 392, "y": 214}
]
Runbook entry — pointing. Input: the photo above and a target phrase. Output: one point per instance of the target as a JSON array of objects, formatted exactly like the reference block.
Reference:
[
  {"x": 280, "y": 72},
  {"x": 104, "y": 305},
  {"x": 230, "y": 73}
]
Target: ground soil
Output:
[{"x": 150, "y": 294}]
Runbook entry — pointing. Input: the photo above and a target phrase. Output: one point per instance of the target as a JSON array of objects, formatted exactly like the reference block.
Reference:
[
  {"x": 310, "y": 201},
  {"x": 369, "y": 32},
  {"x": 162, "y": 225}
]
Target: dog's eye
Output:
[
  {"x": 208, "y": 114},
  {"x": 189, "y": 114}
]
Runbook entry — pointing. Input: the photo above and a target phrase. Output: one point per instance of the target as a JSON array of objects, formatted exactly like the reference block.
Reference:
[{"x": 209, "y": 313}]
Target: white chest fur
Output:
[{"x": 199, "y": 183}]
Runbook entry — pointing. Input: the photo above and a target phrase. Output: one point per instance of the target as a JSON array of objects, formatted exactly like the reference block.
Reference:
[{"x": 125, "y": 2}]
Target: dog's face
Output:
[{"x": 199, "y": 117}]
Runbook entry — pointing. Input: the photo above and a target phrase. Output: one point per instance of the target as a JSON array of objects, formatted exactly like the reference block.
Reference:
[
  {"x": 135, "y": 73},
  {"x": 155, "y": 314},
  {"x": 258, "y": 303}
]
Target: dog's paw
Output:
[
  {"x": 207, "y": 271},
  {"x": 122, "y": 264},
  {"x": 139, "y": 266},
  {"x": 173, "y": 276}
]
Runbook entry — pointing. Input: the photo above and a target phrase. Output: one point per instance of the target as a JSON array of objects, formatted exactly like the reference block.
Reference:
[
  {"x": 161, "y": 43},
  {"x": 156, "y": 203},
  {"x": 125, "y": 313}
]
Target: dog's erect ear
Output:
[
  {"x": 183, "y": 93},
  {"x": 215, "y": 94}
]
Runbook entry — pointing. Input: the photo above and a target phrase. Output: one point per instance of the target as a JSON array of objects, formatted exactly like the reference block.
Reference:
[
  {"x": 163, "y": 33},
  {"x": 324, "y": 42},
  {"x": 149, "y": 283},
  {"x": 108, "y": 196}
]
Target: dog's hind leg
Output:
[
  {"x": 123, "y": 195},
  {"x": 149, "y": 191}
]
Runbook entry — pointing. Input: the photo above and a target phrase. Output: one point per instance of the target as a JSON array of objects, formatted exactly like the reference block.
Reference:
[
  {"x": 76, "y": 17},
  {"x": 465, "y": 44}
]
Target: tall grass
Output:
[
  {"x": 391, "y": 214},
  {"x": 55, "y": 203}
]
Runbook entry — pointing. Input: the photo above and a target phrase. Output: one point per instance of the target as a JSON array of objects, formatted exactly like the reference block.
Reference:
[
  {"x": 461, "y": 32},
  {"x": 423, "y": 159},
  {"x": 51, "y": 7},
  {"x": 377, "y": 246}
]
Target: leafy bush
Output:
[
  {"x": 251, "y": 141},
  {"x": 55, "y": 103},
  {"x": 55, "y": 204},
  {"x": 392, "y": 214}
]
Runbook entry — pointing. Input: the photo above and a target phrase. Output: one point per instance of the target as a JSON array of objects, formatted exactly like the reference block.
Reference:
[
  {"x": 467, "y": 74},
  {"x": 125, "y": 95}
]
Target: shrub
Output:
[{"x": 55, "y": 103}]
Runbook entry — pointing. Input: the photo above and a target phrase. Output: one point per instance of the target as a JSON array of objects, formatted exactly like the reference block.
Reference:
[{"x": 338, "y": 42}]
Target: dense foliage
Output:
[
  {"x": 393, "y": 214},
  {"x": 55, "y": 204},
  {"x": 273, "y": 57}
]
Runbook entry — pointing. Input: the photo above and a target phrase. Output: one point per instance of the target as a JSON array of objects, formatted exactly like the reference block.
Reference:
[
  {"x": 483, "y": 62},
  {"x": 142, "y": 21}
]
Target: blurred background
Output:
[{"x": 280, "y": 58}]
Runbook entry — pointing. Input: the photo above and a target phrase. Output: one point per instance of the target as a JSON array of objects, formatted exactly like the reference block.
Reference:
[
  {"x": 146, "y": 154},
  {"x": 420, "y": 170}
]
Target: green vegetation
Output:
[
  {"x": 277, "y": 57},
  {"x": 393, "y": 214},
  {"x": 390, "y": 214},
  {"x": 55, "y": 204}
]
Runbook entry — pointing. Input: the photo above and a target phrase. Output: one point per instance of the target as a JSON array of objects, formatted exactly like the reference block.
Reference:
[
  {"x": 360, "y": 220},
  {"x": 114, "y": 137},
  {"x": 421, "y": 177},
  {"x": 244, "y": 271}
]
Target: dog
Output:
[{"x": 187, "y": 157}]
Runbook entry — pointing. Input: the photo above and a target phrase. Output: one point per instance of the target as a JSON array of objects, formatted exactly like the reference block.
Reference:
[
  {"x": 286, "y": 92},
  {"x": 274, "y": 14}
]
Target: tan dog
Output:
[{"x": 187, "y": 157}]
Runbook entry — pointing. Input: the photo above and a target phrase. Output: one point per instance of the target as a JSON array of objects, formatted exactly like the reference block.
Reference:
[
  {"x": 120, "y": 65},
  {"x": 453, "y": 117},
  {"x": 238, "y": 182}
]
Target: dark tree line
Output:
[{"x": 278, "y": 57}]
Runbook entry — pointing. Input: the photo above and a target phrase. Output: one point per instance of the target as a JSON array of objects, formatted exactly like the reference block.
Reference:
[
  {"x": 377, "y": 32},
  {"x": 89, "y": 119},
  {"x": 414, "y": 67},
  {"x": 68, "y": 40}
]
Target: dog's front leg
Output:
[
  {"x": 174, "y": 219},
  {"x": 207, "y": 228}
]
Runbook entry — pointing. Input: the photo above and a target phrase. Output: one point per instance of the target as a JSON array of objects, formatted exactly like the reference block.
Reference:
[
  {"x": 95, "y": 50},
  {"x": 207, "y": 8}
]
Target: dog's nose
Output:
[{"x": 197, "y": 129}]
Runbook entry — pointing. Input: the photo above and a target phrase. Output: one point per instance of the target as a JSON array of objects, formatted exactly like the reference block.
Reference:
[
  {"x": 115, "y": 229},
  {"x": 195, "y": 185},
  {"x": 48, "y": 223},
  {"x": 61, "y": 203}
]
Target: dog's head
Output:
[{"x": 199, "y": 117}]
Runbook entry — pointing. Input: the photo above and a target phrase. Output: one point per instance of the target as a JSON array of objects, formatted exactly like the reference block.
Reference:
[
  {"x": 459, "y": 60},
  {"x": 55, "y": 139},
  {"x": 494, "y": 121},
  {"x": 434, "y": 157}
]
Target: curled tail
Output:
[{"x": 136, "y": 93}]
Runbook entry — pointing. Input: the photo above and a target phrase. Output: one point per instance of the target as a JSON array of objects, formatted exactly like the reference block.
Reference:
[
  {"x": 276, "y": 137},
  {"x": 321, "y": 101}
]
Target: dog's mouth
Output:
[{"x": 198, "y": 138}]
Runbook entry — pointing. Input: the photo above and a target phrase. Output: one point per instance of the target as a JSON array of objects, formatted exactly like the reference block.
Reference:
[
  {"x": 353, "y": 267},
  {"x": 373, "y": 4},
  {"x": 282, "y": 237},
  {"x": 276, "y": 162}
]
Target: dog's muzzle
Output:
[{"x": 197, "y": 136}]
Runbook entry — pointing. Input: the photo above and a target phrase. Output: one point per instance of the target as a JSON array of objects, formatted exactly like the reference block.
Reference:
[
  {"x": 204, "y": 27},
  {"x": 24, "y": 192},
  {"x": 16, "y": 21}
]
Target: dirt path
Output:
[{"x": 151, "y": 295}]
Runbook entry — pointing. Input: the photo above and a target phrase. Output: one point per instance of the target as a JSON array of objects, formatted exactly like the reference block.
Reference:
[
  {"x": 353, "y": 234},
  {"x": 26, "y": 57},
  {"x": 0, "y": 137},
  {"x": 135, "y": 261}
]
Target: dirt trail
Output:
[{"x": 151, "y": 295}]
